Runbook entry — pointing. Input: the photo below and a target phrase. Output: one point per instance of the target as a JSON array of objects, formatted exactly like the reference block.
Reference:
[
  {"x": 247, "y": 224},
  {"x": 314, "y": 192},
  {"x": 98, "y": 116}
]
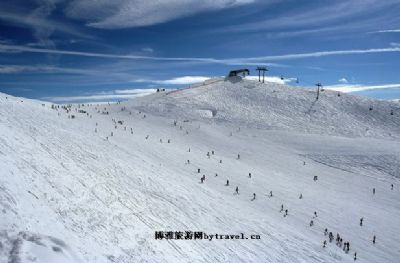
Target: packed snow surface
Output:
[{"x": 93, "y": 183}]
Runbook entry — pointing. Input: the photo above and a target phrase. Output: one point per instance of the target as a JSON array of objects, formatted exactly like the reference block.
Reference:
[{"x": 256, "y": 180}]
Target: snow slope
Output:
[
  {"x": 280, "y": 107},
  {"x": 71, "y": 192}
]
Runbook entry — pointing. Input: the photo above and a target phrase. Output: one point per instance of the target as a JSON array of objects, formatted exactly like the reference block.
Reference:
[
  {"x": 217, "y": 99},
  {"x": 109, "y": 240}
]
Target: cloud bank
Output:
[
  {"x": 233, "y": 61},
  {"x": 359, "y": 87},
  {"x": 136, "y": 13}
]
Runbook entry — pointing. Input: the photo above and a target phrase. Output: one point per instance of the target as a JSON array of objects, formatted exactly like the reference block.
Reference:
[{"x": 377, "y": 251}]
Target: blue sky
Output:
[{"x": 88, "y": 50}]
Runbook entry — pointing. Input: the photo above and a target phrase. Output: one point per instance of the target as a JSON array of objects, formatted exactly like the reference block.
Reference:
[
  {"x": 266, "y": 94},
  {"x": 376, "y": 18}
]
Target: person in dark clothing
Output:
[
  {"x": 355, "y": 256},
  {"x": 326, "y": 231},
  {"x": 391, "y": 186},
  {"x": 361, "y": 221},
  {"x": 281, "y": 208},
  {"x": 373, "y": 240},
  {"x": 324, "y": 244},
  {"x": 254, "y": 196},
  {"x": 311, "y": 223},
  {"x": 286, "y": 212},
  {"x": 373, "y": 190},
  {"x": 249, "y": 175},
  {"x": 237, "y": 190},
  {"x": 227, "y": 182},
  {"x": 330, "y": 236}
]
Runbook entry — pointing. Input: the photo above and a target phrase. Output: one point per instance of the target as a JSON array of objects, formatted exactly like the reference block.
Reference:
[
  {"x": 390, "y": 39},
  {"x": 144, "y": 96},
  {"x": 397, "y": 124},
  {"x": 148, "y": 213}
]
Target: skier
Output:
[
  {"x": 301, "y": 196},
  {"x": 212, "y": 152},
  {"x": 286, "y": 212},
  {"x": 188, "y": 162},
  {"x": 373, "y": 240},
  {"x": 270, "y": 193},
  {"x": 361, "y": 221},
  {"x": 324, "y": 244},
  {"x": 355, "y": 256},
  {"x": 330, "y": 236},
  {"x": 254, "y": 196},
  {"x": 198, "y": 170},
  {"x": 304, "y": 163},
  {"x": 220, "y": 161},
  {"x": 281, "y": 208},
  {"x": 227, "y": 182},
  {"x": 169, "y": 140},
  {"x": 238, "y": 156},
  {"x": 189, "y": 150},
  {"x": 392, "y": 186},
  {"x": 237, "y": 190},
  {"x": 249, "y": 175},
  {"x": 373, "y": 190},
  {"x": 326, "y": 231},
  {"x": 216, "y": 174},
  {"x": 315, "y": 214},
  {"x": 311, "y": 223}
]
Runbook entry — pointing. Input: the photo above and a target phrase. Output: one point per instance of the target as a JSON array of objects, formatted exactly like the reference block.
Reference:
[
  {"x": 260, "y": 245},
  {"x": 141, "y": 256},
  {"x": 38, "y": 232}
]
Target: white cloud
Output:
[
  {"x": 147, "y": 49},
  {"x": 394, "y": 44},
  {"x": 359, "y": 87},
  {"x": 388, "y": 31},
  {"x": 135, "y": 13},
  {"x": 234, "y": 61},
  {"x": 135, "y": 91},
  {"x": 13, "y": 69},
  {"x": 327, "y": 15},
  {"x": 322, "y": 54},
  {"x": 38, "y": 21},
  {"x": 343, "y": 80},
  {"x": 185, "y": 80}
]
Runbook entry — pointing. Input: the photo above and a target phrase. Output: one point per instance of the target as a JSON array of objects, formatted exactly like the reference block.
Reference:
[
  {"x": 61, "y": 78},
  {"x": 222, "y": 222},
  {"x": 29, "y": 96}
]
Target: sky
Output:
[{"x": 98, "y": 50}]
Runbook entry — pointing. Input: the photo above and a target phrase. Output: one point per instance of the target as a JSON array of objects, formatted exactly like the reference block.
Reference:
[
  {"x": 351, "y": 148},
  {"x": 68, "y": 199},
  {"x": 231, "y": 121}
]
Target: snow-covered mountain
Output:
[{"x": 93, "y": 183}]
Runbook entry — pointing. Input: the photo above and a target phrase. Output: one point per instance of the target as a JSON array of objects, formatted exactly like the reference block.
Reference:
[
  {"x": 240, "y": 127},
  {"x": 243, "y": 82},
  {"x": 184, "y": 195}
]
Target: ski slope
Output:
[{"x": 72, "y": 192}]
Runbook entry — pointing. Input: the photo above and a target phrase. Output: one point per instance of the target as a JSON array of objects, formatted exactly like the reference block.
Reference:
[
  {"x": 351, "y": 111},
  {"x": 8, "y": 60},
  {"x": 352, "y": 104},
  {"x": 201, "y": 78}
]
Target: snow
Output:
[{"x": 69, "y": 194}]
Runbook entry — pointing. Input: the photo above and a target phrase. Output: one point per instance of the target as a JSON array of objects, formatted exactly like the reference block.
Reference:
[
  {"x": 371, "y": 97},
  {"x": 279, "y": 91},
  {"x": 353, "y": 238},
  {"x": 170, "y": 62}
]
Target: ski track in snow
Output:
[{"x": 69, "y": 194}]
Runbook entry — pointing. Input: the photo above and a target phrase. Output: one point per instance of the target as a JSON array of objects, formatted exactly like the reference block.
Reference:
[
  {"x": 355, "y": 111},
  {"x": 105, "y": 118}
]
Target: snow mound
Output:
[{"x": 279, "y": 107}]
